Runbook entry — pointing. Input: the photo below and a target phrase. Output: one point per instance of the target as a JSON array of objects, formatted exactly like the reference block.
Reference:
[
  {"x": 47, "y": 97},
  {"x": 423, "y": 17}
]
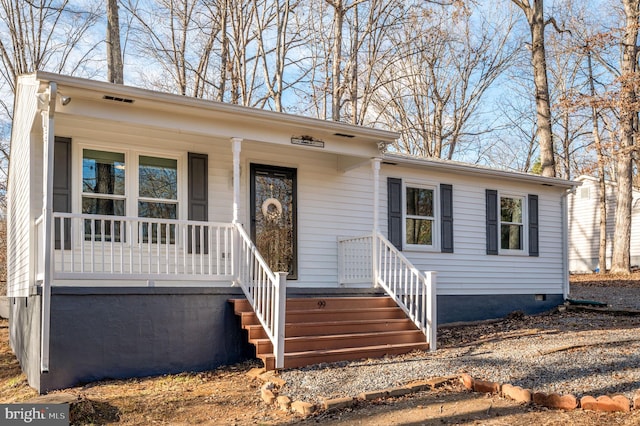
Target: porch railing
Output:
[
  {"x": 119, "y": 247},
  {"x": 373, "y": 259},
  {"x": 265, "y": 291}
]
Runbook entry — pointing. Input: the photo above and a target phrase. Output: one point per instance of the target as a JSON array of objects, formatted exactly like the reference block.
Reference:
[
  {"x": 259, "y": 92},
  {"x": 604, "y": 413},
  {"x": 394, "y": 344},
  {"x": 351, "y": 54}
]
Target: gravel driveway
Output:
[{"x": 581, "y": 353}]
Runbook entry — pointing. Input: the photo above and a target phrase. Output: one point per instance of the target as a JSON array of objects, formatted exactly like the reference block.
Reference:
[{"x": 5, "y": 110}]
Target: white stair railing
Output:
[
  {"x": 265, "y": 291},
  {"x": 373, "y": 259}
]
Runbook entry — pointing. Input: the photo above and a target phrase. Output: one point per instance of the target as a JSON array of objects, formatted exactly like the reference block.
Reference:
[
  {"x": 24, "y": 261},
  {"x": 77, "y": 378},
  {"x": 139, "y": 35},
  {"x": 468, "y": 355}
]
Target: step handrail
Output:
[
  {"x": 265, "y": 291},
  {"x": 412, "y": 290},
  {"x": 371, "y": 258}
]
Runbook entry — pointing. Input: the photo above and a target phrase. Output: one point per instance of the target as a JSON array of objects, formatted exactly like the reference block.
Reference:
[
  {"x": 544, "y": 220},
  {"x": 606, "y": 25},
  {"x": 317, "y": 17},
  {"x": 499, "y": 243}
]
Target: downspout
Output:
[
  {"x": 565, "y": 243},
  {"x": 48, "y": 136}
]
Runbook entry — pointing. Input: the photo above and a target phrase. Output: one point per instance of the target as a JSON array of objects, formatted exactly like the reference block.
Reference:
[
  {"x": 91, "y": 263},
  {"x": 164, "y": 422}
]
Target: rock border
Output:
[{"x": 270, "y": 394}]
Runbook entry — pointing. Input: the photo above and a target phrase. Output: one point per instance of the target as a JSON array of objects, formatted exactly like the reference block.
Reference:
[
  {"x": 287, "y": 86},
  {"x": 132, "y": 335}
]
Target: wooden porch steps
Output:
[{"x": 335, "y": 329}]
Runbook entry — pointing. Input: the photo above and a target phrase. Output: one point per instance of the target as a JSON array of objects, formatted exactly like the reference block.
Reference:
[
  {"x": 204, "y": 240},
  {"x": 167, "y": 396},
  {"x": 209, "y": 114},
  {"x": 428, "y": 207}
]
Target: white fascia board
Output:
[
  {"x": 158, "y": 100},
  {"x": 475, "y": 170}
]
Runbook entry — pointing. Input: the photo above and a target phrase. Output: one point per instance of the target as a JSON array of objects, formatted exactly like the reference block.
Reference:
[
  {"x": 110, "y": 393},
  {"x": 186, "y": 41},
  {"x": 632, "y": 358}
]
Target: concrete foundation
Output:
[{"x": 121, "y": 332}]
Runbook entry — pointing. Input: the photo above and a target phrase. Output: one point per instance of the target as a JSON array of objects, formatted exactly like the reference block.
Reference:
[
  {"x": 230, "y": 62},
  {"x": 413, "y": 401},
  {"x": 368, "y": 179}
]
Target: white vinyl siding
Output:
[
  {"x": 23, "y": 179},
  {"x": 469, "y": 270},
  {"x": 584, "y": 226}
]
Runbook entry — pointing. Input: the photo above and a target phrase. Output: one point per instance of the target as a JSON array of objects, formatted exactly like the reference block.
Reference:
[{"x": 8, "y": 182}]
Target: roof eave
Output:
[{"x": 484, "y": 171}]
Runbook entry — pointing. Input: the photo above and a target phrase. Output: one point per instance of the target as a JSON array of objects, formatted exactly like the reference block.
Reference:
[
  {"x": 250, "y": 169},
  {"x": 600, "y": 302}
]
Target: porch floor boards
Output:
[{"x": 334, "y": 329}]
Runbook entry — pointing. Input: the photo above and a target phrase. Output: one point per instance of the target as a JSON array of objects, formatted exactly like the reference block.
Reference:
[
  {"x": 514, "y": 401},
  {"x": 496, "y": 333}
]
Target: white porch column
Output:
[
  {"x": 48, "y": 139},
  {"x": 375, "y": 165},
  {"x": 237, "y": 146}
]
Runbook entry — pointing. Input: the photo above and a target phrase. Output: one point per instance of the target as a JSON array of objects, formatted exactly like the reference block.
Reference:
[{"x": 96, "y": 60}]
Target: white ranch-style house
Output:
[{"x": 135, "y": 217}]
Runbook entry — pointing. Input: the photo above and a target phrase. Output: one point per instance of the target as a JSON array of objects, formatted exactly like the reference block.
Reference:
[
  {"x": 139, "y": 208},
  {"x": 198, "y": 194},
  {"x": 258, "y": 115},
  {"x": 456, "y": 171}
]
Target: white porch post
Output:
[
  {"x": 431, "y": 302},
  {"x": 375, "y": 165},
  {"x": 237, "y": 147},
  {"x": 48, "y": 138},
  {"x": 280, "y": 318}
]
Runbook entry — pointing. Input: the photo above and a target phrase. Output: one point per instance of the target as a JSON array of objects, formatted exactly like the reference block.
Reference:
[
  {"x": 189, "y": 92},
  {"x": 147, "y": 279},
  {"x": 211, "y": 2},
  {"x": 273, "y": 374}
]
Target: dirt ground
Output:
[{"x": 227, "y": 396}]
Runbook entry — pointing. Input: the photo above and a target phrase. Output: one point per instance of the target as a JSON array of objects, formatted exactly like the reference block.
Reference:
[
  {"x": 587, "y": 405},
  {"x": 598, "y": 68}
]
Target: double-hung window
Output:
[
  {"x": 419, "y": 215},
  {"x": 158, "y": 195},
  {"x": 149, "y": 190},
  {"x": 511, "y": 223},
  {"x": 103, "y": 192}
]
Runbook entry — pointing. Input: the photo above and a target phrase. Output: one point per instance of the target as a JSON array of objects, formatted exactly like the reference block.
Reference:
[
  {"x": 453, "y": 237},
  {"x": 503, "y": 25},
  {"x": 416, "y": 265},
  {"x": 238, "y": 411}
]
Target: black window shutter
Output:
[
  {"x": 62, "y": 188},
  {"x": 394, "y": 211},
  {"x": 534, "y": 249},
  {"x": 198, "y": 201},
  {"x": 446, "y": 218},
  {"x": 492, "y": 221}
]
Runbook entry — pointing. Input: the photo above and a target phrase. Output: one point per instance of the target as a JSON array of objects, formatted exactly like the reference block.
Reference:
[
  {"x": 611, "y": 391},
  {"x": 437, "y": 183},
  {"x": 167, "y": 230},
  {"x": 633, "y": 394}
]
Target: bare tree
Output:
[
  {"x": 620, "y": 260},
  {"x": 340, "y": 9},
  {"x": 177, "y": 35},
  {"x": 434, "y": 85},
  {"x": 534, "y": 12},
  {"x": 47, "y": 35}
]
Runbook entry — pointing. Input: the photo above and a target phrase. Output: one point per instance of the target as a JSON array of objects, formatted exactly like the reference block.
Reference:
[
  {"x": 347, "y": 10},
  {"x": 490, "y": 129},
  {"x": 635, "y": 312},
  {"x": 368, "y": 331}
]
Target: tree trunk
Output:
[
  {"x": 602, "y": 199},
  {"x": 620, "y": 262},
  {"x": 115, "y": 73},
  {"x": 354, "y": 67},
  {"x": 336, "y": 90},
  {"x": 535, "y": 18},
  {"x": 224, "y": 50}
]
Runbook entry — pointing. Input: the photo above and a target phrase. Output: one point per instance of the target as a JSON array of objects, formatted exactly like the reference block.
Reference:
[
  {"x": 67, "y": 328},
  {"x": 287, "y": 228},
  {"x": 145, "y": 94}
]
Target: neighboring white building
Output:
[
  {"x": 133, "y": 216},
  {"x": 584, "y": 225}
]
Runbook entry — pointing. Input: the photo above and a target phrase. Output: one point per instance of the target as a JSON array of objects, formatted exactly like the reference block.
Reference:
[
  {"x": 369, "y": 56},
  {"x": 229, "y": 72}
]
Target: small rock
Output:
[
  {"x": 564, "y": 402},
  {"x": 605, "y": 403},
  {"x": 302, "y": 407},
  {"x": 284, "y": 402},
  {"x": 368, "y": 396},
  {"x": 467, "y": 381},
  {"x": 516, "y": 393},
  {"x": 438, "y": 381},
  {"x": 267, "y": 396},
  {"x": 254, "y": 373},
  {"x": 338, "y": 403},
  {"x": 418, "y": 385},
  {"x": 271, "y": 376},
  {"x": 483, "y": 386},
  {"x": 399, "y": 391}
]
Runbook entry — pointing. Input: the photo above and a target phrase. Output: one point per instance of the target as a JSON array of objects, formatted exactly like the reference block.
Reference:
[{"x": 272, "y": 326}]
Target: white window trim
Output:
[
  {"x": 525, "y": 225},
  {"x": 435, "y": 231},
  {"x": 131, "y": 162}
]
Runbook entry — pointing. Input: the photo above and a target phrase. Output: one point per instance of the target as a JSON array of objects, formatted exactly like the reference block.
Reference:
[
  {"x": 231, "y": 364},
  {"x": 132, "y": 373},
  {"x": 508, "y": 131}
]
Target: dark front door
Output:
[{"x": 273, "y": 216}]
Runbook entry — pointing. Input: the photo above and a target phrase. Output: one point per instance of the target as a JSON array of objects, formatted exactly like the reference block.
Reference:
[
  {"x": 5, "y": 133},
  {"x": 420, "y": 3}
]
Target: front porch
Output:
[{"x": 114, "y": 250}]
